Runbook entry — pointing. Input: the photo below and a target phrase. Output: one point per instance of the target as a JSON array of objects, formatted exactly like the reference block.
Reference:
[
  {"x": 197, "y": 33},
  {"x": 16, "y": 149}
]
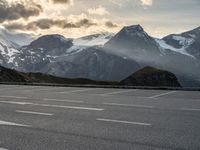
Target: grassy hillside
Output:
[
  {"x": 150, "y": 76},
  {"x": 9, "y": 75}
]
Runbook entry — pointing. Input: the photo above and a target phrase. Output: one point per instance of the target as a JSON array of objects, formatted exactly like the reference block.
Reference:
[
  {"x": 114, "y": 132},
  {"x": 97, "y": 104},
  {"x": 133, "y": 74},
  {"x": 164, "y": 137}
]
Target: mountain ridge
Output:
[{"x": 132, "y": 47}]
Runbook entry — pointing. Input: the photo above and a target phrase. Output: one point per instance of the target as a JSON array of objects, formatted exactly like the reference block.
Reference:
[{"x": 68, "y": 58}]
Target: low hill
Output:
[
  {"x": 147, "y": 76},
  {"x": 10, "y": 75},
  {"x": 150, "y": 76}
]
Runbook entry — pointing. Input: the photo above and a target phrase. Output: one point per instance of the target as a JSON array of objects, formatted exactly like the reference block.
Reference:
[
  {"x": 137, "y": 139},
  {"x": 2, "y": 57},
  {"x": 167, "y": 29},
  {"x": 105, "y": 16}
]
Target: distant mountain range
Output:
[{"x": 104, "y": 56}]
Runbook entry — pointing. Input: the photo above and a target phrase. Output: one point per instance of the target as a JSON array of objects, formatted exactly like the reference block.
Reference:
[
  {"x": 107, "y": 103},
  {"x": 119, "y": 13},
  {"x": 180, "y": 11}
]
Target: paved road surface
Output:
[{"x": 66, "y": 118}]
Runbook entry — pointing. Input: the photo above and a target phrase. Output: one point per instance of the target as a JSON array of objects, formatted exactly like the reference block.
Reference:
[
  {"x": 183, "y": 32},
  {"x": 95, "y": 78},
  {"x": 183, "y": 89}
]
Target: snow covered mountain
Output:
[
  {"x": 187, "y": 43},
  {"x": 10, "y": 44},
  {"x": 133, "y": 42},
  {"x": 51, "y": 54}
]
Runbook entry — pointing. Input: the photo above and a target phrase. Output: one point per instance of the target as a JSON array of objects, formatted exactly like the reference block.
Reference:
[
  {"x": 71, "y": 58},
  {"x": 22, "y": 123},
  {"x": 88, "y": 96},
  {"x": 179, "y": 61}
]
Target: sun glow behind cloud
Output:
[{"x": 147, "y": 2}]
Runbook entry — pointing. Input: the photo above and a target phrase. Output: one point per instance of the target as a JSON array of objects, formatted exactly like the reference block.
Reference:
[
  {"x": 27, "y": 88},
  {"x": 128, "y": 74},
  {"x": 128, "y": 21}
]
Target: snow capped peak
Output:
[
  {"x": 53, "y": 36},
  {"x": 55, "y": 39},
  {"x": 134, "y": 28},
  {"x": 50, "y": 43}
]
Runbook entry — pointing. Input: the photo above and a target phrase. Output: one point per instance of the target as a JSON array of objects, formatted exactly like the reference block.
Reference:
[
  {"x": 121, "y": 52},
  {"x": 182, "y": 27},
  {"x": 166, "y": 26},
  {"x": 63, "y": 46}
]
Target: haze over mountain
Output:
[{"x": 108, "y": 57}]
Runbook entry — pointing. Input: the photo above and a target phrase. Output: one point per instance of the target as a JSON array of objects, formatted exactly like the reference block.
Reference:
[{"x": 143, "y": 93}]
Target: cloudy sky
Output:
[{"x": 75, "y": 18}]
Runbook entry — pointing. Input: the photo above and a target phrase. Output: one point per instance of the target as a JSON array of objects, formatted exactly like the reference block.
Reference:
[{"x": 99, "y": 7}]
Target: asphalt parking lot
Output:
[{"x": 71, "y": 118}]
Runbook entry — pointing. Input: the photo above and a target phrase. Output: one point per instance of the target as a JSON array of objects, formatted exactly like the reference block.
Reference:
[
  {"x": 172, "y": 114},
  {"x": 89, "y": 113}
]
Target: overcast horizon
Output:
[{"x": 75, "y": 18}]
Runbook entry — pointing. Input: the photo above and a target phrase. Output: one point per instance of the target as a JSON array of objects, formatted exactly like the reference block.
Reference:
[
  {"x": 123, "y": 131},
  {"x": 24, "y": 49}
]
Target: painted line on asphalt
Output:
[
  {"x": 12, "y": 124},
  {"x": 35, "y": 90},
  {"x": 2, "y": 89},
  {"x": 118, "y": 92},
  {"x": 163, "y": 94},
  {"x": 43, "y": 89},
  {"x": 56, "y": 106},
  {"x": 34, "y": 113},
  {"x": 16, "y": 88},
  {"x": 69, "y": 107},
  {"x": 14, "y": 102},
  {"x": 63, "y": 100},
  {"x": 3, "y": 148},
  {"x": 124, "y": 122},
  {"x": 190, "y": 109},
  {"x": 16, "y": 97},
  {"x": 128, "y": 105},
  {"x": 75, "y": 91}
]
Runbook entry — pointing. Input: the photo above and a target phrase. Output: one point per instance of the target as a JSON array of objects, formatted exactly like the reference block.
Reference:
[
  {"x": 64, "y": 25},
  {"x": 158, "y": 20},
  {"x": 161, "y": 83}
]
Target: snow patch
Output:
[
  {"x": 166, "y": 46},
  {"x": 192, "y": 35},
  {"x": 185, "y": 42},
  {"x": 93, "y": 40}
]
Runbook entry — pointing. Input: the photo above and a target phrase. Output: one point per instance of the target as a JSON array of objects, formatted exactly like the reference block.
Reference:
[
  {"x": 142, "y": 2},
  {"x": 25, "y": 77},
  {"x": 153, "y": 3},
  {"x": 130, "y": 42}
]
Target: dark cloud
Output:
[
  {"x": 110, "y": 24},
  {"x": 61, "y": 1},
  {"x": 14, "y": 11},
  {"x": 62, "y": 23},
  {"x": 48, "y": 23}
]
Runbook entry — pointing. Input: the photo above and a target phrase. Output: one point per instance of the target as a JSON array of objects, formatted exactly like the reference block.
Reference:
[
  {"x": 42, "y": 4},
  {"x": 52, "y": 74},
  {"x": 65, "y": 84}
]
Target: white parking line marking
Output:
[
  {"x": 163, "y": 94},
  {"x": 1, "y": 89},
  {"x": 35, "y": 113},
  {"x": 63, "y": 100},
  {"x": 12, "y": 124},
  {"x": 16, "y": 97},
  {"x": 117, "y": 92},
  {"x": 57, "y": 106},
  {"x": 190, "y": 109},
  {"x": 35, "y": 90},
  {"x": 13, "y": 102},
  {"x": 124, "y": 122},
  {"x": 43, "y": 89},
  {"x": 3, "y": 148},
  {"x": 128, "y": 105},
  {"x": 68, "y": 92},
  {"x": 70, "y": 107}
]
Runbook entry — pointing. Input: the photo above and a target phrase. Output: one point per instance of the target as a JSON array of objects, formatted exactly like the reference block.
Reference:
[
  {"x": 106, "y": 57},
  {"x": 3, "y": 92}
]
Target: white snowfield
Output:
[
  {"x": 96, "y": 40},
  {"x": 82, "y": 43},
  {"x": 183, "y": 41}
]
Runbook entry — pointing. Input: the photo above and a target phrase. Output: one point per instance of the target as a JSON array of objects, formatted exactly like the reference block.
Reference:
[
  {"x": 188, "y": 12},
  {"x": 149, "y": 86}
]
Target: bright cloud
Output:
[
  {"x": 147, "y": 2},
  {"x": 100, "y": 10}
]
